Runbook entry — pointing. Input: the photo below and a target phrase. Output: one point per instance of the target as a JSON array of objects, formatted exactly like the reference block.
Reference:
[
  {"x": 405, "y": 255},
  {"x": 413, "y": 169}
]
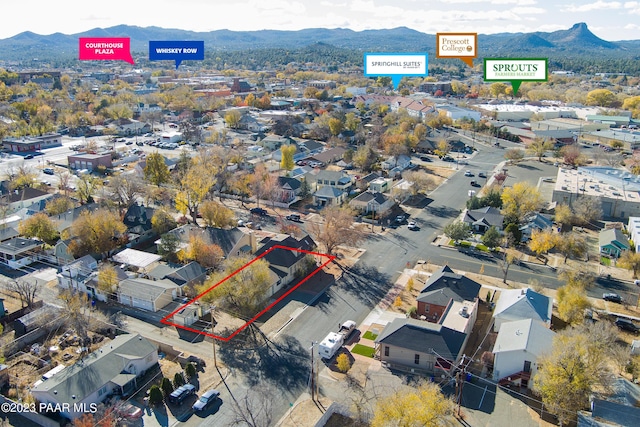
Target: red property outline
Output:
[{"x": 165, "y": 320}]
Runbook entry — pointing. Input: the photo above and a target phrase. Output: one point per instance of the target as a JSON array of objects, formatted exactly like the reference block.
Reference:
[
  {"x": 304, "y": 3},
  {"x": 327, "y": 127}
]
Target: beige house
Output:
[{"x": 420, "y": 347}]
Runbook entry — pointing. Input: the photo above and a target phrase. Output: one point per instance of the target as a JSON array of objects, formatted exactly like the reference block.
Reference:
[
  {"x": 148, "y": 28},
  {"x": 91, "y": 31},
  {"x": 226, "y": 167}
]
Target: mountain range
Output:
[{"x": 577, "y": 40}]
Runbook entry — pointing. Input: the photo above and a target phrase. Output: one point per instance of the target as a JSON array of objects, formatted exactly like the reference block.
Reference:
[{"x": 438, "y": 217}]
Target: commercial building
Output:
[
  {"x": 89, "y": 161},
  {"x": 617, "y": 189},
  {"x": 28, "y": 144}
]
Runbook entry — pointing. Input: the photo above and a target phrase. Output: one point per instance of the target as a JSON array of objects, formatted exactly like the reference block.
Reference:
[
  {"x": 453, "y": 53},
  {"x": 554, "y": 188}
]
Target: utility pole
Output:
[
  {"x": 460, "y": 380},
  {"x": 312, "y": 382},
  {"x": 213, "y": 339}
]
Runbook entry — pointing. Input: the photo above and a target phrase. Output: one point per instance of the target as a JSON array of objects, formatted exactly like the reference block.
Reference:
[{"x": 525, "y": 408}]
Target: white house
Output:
[
  {"x": 18, "y": 252},
  {"x": 77, "y": 276},
  {"x": 113, "y": 369},
  {"x": 521, "y": 304},
  {"x": 633, "y": 227},
  {"x": 147, "y": 294},
  {"x": 518, "y": 346},
  {"x": 188, "y": 315}
]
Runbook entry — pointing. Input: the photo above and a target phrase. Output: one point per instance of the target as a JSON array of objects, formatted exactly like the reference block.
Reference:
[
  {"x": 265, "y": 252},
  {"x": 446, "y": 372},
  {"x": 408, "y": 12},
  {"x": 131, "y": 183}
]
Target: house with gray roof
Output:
[
  {"x": 535, "y": 222},
  {"x": 75, "y": 276},
  {"x": 146, "y": 294},
  {"x": 285, "y": 264},
  {"x": 372, "y": 201},
  {"x": 442, "y": 289},
  {"x": 518, "y": 304},
  {"x": 325, "y": 178},
  {"x": 329, "y": 196},
  {"x": 138, "y": 222},
  {"x": 613, "y": 242},
  {"x": 233, "y": 241},
  {"x": 516, "y": 351},
  {"x": 418, "y": 346},
  {"x": 288, "y": 189},
  {"x": 619, "y": 409},
  {"x": 480, "y": 220},
  {"x": 190, "y": 274},
  {"x": 113, "y": 369},
  {"x": 18, "y": 252}
]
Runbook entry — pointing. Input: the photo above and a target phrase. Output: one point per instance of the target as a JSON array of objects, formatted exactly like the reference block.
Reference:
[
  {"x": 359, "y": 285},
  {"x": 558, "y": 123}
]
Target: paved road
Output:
[{"x": 285, "y": 365}]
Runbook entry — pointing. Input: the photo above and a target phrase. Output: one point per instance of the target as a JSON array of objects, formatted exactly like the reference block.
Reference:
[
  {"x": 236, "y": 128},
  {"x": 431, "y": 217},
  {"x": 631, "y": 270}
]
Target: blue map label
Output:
[
  {"x": 170, "y": 50},
  {"x": 395, "y": 65}
]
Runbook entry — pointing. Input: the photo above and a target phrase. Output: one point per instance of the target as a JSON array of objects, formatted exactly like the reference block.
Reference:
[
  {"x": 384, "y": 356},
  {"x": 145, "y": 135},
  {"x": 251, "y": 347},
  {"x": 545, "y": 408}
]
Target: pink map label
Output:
[{"x": 105, "y": 49}]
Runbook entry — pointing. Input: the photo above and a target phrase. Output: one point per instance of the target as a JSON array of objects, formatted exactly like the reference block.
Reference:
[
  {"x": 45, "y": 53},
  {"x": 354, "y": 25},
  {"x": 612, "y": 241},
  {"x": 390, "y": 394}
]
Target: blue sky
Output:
[{"x": 610, "y": 20}]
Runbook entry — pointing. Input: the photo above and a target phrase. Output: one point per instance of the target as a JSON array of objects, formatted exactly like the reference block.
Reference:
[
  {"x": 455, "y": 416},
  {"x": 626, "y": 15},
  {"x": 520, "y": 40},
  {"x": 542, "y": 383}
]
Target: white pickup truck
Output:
[{"x": 332, "y": 342}]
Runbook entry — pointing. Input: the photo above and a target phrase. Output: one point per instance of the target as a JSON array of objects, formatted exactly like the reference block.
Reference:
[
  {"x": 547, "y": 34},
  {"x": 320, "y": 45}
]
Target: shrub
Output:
[
  {"x": 412, "y": 312},
  {"x": 190, "y": 370},
  {"x": 178, "y": 379},
  {"x": 166, "y": 386},
  {"x": 155, "y": 394},
  {"x": 343, "y": 363},
  {"x": 398, "y": 301}
]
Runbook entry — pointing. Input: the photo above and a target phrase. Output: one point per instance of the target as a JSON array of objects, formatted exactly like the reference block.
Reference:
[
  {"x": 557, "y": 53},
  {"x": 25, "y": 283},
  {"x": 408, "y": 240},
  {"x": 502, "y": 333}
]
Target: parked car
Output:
[
  {"x": 425, "y": 158},
  {"x": 128, "y": 143},
  {"x": 412, "y": 225},
  {"x": 482, "y": 175},
  {"x": 613, "y": 297},
  {"x": 294, "y": 217},
  {"x": 468, "y": 173},
  {"x": 474, "y": 184},
  {"x": 179, "y": 395},
  {"x": 627, "y": 325},
  {"x": 127, "y": 410},
  {"x": 206, "y": 399},
  {"x": 28, "y": 156},
  {"x": 258, "y": 211},
  {"x": 400, "y": 219},
  {"x": 48, "y": 171},
  {"x": 139, "y": 143}
]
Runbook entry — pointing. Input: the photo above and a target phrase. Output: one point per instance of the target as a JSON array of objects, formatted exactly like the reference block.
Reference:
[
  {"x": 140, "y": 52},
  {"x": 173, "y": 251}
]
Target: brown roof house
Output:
[{"x": 444, "y": 291}]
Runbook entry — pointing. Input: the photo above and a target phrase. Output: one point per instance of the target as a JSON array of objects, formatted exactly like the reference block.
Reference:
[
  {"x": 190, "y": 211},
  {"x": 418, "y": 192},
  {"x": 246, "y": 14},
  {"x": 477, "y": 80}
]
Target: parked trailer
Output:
[{"x": 330, "y": 345}]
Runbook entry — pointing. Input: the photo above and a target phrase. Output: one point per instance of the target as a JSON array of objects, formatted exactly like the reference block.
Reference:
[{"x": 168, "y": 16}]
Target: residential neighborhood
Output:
[{"x": 176, "y": 245}]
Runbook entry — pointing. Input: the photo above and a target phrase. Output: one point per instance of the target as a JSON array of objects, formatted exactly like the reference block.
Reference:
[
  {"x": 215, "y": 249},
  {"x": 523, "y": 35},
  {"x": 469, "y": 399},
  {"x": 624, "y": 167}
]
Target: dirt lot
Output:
[
  {"x": 27, "y": 367},
  {"x": 439, "y": 173}
]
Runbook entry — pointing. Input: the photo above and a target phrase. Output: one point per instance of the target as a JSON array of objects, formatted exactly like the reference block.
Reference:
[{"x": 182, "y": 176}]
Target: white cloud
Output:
[
  {"x": 633, "y": 7},
  {"x": 598, "y": 5},
  {"x": 529, "y": 10},
  {"x": 518, "y": 2}
]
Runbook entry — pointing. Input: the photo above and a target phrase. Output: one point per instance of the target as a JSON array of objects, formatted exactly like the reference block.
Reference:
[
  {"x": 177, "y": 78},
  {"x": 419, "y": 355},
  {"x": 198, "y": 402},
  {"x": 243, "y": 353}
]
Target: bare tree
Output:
[
  {"x": 255, "y": 409},
  {"x": 336, "y": 229},
  {"x": 26, "y": 290},
  {"x": 126, "y": 190},
  {"x": 64, "y": 181}
]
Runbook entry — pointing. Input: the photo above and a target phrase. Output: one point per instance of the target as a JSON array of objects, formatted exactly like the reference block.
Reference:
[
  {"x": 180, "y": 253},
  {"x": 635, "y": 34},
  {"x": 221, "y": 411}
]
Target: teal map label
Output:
[{"x": 396, "y": 65}]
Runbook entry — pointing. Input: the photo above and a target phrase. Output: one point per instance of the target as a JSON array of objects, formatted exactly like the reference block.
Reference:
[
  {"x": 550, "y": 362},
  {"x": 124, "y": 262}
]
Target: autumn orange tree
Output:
[{"x": 208, "y": 255}]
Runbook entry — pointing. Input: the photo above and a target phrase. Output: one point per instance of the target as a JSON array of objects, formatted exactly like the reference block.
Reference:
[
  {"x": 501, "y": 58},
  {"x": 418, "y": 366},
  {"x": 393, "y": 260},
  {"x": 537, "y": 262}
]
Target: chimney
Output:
[{"x": 253, "y": 242}]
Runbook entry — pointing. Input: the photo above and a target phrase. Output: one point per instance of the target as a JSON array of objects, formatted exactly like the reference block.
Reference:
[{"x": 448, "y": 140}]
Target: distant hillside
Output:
[{"x": 575, "y": 42}]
